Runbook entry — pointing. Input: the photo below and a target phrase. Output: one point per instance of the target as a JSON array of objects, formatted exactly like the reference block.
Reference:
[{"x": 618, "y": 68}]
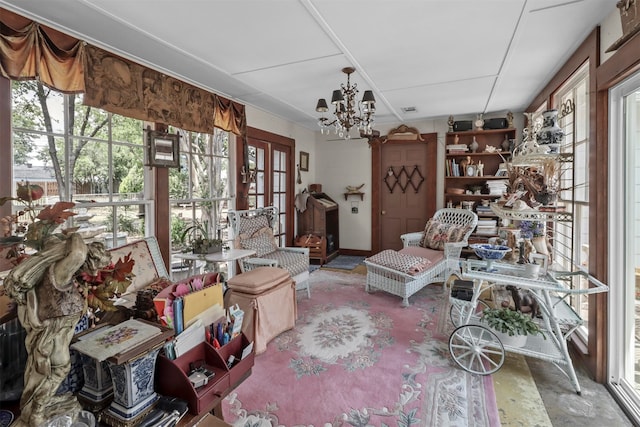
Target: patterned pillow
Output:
[
  {"x": 262, "y": 243},
  {"x": 250, "y": 225},
  {"x": 437, "y": 233}
]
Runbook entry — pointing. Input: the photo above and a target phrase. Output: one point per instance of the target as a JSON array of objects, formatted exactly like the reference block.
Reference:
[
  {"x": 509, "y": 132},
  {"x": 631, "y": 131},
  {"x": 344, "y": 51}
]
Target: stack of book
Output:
[
  {"x": 457, "y": 148},
  {"x": 484, "y": 210},
  {"x": 497, "y": 187},
  {"x": 487, "y": 227}
]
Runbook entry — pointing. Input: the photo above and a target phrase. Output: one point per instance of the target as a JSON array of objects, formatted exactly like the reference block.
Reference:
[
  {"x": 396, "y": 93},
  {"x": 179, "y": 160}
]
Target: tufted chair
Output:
[{"x": 253, "y": 229}]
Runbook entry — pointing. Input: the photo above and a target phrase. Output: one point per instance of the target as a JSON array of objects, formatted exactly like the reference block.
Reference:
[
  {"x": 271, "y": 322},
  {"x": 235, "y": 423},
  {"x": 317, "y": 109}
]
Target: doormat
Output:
[{"x": 344, "y": 262}]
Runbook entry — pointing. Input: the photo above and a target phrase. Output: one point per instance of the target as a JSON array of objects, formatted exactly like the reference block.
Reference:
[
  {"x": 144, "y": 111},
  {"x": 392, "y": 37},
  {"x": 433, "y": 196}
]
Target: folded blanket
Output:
[{"x": 403, "y": 263}]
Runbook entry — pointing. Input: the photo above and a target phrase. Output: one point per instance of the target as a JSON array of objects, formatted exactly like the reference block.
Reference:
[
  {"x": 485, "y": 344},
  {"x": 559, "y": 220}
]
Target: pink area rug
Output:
[{"x": 358, "y": 359}]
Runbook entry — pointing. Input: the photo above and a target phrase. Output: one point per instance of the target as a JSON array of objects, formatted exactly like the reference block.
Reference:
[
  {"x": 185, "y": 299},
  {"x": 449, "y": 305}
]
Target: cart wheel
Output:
[
  {"x": 476, "y": 349},
  {"x": 456, "y": 315}
]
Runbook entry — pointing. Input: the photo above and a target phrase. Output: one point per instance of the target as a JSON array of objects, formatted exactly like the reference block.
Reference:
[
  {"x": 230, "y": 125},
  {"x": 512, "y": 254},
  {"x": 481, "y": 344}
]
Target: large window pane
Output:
[
  {"x": 199, "y": 191},
  {"x": 81, "y": 154}
]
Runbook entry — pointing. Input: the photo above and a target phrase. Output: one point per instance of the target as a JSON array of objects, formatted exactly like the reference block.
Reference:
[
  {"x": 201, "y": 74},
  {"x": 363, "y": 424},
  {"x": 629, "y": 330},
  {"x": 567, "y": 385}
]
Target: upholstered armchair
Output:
[{"x": 253, "y": 229}]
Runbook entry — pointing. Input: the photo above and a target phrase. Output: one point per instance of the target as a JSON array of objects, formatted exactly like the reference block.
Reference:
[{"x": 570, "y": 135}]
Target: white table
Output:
[{"x": 229, "y": 256}]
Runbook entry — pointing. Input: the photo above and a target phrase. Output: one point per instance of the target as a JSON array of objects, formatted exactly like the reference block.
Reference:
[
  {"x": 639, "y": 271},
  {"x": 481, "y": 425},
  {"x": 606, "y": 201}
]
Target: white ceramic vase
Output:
[
  {"x": 532, "y": 270},
  {"x": 540, "y": 244},
  {"x": 473, "y": 147},
  {"x": 516, "y": 341}
]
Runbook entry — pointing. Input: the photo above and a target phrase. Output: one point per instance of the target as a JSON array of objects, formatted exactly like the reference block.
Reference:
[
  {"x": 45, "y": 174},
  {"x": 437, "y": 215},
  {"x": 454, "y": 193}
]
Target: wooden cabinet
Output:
[
  {"x": 320, "y": 219},
  {"x": 466, "y": 186}
]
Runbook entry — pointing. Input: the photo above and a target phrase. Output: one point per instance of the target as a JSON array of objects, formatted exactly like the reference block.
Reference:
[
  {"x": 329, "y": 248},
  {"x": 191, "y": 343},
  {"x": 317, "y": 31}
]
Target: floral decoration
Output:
[
  {"x": 109, "y": 283},
  {"x": 33, "y": 224},
  {"x": 531, "y": 229}
]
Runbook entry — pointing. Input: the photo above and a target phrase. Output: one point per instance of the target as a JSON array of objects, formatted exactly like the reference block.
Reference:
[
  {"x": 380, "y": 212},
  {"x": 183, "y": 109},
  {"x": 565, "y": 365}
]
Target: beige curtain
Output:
[{"x": 29, "y": 52}]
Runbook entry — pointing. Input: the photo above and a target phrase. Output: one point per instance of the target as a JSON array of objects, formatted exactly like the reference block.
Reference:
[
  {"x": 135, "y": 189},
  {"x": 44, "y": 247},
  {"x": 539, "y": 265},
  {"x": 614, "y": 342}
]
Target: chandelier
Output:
[{"x": 344, "y": 101}]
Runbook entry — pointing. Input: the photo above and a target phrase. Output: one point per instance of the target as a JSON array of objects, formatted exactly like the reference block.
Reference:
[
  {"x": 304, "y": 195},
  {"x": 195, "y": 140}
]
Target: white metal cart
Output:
[{"x": 475, "y": 348}]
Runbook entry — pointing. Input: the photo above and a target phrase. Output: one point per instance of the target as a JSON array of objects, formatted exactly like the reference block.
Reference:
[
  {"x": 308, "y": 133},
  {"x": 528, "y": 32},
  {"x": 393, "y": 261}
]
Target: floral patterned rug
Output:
[{"x": 358, "y": 359}]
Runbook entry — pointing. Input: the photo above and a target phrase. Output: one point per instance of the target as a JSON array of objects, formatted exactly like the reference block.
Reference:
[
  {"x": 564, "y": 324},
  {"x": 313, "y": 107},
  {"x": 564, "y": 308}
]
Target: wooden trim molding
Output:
[
  {"x": 243, "y": 189},
  {"x": 5, "y": 144},
  {"x": 596, "y": 357},
  {"x": 622, "y": 64}
]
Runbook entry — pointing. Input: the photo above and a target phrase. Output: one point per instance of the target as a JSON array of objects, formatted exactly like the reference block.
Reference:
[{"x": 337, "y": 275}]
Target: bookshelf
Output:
[{"x": 476, "y": 178}]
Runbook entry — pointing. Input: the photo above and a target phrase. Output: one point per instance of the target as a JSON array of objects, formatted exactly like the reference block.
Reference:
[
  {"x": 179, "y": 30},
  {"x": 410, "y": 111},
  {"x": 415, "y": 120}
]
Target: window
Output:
[
  {"x": 81, "y": 154},
  {"x": 571, "y": 240},
  {"x": 96, "y": 159},
  {"x": 199, "y": 189}
]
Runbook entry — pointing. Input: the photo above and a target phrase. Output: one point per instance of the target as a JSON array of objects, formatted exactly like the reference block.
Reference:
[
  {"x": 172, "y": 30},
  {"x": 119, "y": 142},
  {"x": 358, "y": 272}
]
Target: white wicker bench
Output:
[{"x": 403, "y": 284}]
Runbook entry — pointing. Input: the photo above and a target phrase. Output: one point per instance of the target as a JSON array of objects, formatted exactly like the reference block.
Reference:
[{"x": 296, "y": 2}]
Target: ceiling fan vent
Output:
[{"x": 409, "y": 109}]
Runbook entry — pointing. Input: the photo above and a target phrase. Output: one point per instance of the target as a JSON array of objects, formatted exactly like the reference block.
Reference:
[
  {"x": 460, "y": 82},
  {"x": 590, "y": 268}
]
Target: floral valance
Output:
[{"x": 32, "y": 51}]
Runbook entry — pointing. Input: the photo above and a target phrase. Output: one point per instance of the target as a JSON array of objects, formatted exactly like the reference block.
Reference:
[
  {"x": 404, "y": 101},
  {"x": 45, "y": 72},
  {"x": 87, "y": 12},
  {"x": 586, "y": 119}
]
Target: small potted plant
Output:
[
  {"x": 511, "y": 326},
  {"x": 198, "y": 238}
]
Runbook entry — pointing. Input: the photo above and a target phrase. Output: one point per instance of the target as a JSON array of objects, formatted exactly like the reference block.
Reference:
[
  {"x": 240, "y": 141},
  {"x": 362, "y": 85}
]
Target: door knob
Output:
[{"x": 384, "y": 212}]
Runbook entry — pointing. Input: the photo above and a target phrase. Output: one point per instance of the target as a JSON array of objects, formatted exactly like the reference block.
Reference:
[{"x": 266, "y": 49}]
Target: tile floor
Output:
[{"x": 594, "y": 407}]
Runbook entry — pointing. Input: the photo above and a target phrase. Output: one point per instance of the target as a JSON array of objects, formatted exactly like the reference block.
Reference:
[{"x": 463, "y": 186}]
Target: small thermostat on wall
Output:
[{"x": 354, "y": 207}]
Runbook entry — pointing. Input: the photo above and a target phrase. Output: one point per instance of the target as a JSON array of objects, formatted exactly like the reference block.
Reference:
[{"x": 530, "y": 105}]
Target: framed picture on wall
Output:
[
  {"x": 164, "y": 149},
  {"x": 304, "y": 161}
]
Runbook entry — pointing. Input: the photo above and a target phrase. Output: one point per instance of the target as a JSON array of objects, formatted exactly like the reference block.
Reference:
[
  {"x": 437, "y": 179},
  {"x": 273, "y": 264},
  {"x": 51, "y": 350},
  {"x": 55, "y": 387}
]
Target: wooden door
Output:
[
  {"x": 405, "y": 176},
  {"x": 270, "y": 165}
]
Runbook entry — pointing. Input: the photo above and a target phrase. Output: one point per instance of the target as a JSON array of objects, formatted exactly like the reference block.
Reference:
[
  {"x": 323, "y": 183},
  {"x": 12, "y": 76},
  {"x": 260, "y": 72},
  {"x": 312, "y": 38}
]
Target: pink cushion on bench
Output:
[
  {"x": 259, "y": 280},
  {"x": 430, "y": 254}
]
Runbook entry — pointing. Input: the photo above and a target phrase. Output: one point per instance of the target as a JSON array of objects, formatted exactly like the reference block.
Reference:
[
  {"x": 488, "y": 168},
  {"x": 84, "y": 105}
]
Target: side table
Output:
[
  {"x": 131, "y": 349},
  {"x": 229, "y": 256}
]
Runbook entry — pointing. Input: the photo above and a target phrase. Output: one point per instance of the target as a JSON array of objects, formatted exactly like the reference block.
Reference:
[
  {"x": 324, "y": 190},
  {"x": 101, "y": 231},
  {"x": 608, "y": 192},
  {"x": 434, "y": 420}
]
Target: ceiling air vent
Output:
[{"x": 409, "y": 109}]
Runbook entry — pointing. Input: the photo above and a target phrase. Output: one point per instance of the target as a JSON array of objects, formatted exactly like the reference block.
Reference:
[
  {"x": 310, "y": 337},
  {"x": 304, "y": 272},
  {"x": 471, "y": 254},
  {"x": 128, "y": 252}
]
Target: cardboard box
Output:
[{"x": 211, "y": 421}]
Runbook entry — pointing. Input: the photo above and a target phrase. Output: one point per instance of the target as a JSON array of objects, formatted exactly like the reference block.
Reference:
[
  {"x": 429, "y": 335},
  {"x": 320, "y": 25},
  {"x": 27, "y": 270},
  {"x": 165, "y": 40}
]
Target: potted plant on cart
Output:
[{"x": 512, "y": 327}]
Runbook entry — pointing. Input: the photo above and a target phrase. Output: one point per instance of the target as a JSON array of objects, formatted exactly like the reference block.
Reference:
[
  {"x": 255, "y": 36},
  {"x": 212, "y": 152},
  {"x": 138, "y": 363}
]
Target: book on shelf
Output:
[
  {"x": 457, "y": 148},
  {"x": 483, "y": 211},
  {"x": 453, "y": 168}
]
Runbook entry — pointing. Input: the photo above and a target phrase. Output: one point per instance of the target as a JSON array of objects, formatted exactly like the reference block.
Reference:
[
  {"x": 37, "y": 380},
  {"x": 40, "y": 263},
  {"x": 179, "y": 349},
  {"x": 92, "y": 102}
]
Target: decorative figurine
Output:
[
  {"x": 474, "y": 145},
  {"x": 50, "y": 304},
  {"x": 450, "y": 122},
  {"x": 510, "y": 120}
]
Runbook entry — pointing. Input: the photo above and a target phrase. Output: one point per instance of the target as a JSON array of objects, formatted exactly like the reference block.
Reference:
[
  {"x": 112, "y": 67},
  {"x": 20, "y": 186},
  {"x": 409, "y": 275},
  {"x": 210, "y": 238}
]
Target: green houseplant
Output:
[
  {"x": 510, "y": 324},
  {"x": 197, "y": 237}
]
